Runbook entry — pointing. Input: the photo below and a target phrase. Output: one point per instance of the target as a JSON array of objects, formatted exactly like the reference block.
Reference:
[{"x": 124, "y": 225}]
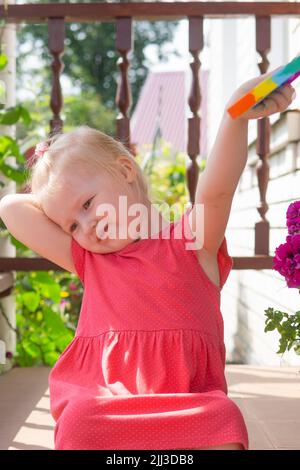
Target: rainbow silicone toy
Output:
[{"x": 286, "y": 74}]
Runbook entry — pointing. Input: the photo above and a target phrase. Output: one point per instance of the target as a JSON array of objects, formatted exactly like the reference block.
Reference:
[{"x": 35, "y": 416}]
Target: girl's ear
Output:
[{"x": 127, "y": 169}]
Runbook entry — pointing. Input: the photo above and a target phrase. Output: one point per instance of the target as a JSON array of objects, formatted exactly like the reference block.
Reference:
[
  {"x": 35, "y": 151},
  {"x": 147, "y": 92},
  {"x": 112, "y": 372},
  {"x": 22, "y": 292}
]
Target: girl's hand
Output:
[{"x": 275, "y": 102}]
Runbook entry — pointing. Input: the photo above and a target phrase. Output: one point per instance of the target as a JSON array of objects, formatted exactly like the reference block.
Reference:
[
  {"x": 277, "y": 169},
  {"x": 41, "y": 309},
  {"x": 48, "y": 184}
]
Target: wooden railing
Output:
[{"x": 56, "y": 15}]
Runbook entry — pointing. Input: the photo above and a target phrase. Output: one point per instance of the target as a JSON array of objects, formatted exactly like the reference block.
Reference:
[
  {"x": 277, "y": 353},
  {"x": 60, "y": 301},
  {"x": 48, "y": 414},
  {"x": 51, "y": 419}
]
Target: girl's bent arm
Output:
[{"x": 27, "y": 222}]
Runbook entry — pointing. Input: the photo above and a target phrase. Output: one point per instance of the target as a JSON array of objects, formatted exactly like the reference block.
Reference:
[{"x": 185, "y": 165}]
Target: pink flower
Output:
[
  {"x": 287, "y": 260},
  {"x": 63, "y": 304},
  {"x": 41, "y": 148},
  {"x": 293, "y": 218},
  {"x": 72, "y": 286}
]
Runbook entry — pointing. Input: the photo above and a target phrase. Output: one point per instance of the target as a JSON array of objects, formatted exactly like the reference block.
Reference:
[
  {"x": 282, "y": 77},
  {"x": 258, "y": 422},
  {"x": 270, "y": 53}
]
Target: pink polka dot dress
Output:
[{"x": 145, "y": 369}]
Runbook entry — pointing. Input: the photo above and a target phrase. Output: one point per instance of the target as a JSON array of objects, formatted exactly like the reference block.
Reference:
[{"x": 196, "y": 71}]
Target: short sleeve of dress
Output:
[
  {"x": 79, "y": 256},
  {"x": 225, "y": 261}
]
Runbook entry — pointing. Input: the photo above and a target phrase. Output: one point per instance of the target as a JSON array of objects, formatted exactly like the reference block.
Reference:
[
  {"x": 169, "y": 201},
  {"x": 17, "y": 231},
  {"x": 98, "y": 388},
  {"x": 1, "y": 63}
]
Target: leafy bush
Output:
[
  {"x": 47, "y": 305},
  {"x": 166, "y": 173},
  {"x": 288, "y": 326}
]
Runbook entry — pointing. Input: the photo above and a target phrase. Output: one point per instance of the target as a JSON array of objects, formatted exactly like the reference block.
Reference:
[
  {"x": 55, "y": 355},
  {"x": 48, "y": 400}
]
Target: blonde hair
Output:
[{"x": 81, "y": 148}]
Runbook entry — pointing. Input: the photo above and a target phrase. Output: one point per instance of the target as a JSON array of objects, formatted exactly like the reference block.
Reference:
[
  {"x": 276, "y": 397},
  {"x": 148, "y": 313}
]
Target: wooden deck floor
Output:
[{"x": 269, "y": 398}]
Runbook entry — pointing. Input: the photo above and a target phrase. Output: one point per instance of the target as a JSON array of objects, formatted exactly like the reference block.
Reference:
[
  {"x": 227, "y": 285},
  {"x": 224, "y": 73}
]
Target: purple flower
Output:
[
  {"x": 9, "y": 355},
  {"x": 287, "y": 260},
  {"x": 293, "y": 218}
]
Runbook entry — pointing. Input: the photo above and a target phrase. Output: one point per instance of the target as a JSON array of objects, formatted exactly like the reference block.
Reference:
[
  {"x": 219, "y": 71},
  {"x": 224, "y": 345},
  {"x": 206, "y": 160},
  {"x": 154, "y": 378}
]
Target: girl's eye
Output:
[
  {"x": 84, "y": 205},
  {"x": 87, "y": 202}
]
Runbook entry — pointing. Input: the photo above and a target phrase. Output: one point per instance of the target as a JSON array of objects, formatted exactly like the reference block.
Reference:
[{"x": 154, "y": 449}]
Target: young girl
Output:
[{"x": 145, "y": 369}]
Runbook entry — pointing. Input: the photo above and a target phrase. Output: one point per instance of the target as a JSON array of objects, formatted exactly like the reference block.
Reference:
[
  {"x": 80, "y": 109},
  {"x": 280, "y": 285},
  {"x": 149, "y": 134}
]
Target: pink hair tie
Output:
[{"x": 41, "y": 148}]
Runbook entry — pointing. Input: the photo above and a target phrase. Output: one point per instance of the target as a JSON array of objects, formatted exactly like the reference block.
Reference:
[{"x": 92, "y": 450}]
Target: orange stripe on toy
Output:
[{"x": 241, "y": 105}]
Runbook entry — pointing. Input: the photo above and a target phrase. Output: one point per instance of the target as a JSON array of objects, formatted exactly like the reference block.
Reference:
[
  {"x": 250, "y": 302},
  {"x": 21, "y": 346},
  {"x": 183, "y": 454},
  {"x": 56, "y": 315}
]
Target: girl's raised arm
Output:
[
  {"x": 227, "y": 160},
  {"x": 29, "y": 224}
]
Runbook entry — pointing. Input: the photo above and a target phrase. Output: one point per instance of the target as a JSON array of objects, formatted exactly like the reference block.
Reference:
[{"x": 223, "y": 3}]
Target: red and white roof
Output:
[{"x": 172, "y": 89}]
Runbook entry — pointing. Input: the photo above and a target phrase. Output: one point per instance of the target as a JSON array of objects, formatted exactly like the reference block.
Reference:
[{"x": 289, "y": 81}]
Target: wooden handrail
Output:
[
  {"x": 42, "y": 264},
  {"x": 81, "y": 12}
]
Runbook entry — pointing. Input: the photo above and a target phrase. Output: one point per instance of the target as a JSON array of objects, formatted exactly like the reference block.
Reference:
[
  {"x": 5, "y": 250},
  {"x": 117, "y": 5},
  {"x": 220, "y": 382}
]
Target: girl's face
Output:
[{"x": 74, "y": 208}]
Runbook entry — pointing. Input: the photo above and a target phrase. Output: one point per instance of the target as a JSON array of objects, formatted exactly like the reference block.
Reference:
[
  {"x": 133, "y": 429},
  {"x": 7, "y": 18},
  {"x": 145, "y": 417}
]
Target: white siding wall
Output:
[{"x": 248, "y": 293}]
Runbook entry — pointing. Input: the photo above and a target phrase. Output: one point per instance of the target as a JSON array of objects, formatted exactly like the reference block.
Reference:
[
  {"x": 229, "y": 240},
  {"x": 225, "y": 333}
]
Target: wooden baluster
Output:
[
  {"x": 56, "y": 27},
  {"x": 262, "y": 228},
  {"x": 123, "y": 96},
  {"x": 196, "y": 43}
]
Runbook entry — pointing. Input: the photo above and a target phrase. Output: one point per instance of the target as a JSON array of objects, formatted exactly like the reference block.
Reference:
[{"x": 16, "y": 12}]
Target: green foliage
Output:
[
  {"x": 11, "y": 116},
  {"x": 288, "y": 326},
  {"x": 10, "y": 148},
  {"x": 3, "y": 61},
  {"x": 165, "y": 170},
  {"x": 88, "y": 109},
  {"x": 47, "y": 309},
  {"x": 90, "y": 56},
  {"x": 85, "y": 108}
]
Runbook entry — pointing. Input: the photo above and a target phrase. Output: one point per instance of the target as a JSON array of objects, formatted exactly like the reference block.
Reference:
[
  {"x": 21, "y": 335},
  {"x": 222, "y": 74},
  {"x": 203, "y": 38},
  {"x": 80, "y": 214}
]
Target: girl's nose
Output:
[{"x": 89, "y": 226}]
